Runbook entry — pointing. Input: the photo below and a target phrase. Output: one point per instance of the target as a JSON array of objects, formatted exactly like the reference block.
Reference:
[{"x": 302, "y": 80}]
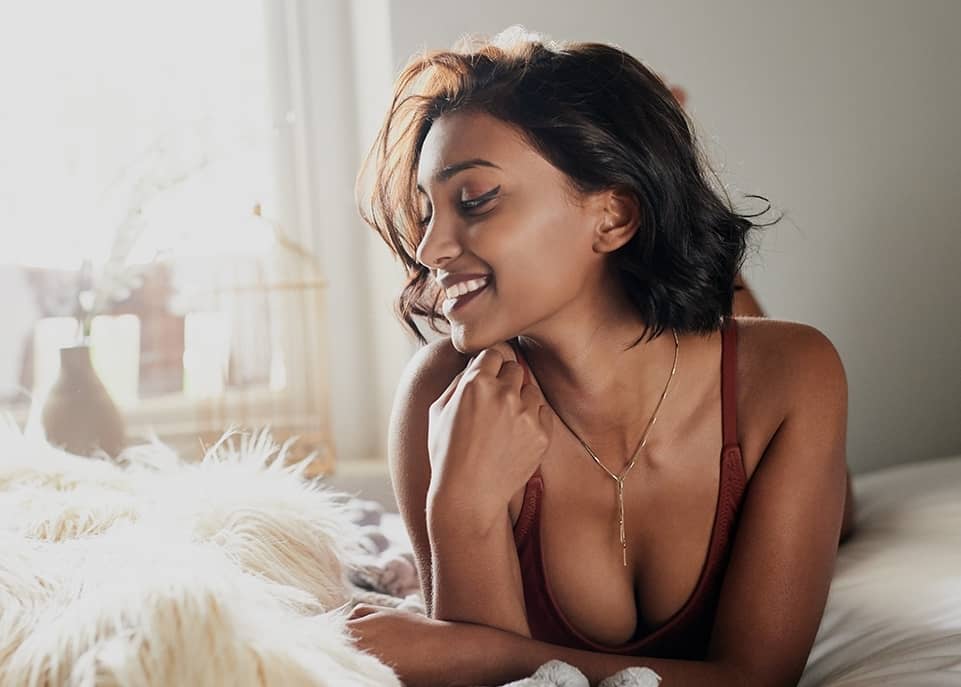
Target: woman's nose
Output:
[{"x": 438, "y": 246}]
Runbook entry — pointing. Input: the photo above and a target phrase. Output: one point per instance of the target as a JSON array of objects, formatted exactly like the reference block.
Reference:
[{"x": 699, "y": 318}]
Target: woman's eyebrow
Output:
[{"x": 450, "y": 170}]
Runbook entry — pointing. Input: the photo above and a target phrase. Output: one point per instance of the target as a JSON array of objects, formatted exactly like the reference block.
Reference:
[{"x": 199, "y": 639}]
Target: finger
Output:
[
  {"x": 505, "y": 349},
  {"x": 360, "y": 610},
  {"x": 546, "y": 418},
  {"x": 531, "y": 396},
  {"x": 489, "y": 361},
  {"x": 513, "y": 375},
  {"x": 474, "y": 363},
  {"x": 510, "y": 370},
  {"x": 451, "y": 388}
]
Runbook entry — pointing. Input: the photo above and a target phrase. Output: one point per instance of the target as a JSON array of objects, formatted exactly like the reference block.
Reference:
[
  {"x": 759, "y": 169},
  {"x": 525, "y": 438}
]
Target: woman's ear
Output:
[{"x": 620, "y": 219}]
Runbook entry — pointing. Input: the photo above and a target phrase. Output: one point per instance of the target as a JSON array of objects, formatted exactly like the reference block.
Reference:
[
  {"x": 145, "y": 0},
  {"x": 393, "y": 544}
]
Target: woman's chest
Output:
[{"x": 670, "y": 506}]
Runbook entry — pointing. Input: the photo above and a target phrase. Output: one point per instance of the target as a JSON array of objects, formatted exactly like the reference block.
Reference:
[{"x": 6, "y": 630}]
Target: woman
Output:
[{"x": 599, "y": 464}]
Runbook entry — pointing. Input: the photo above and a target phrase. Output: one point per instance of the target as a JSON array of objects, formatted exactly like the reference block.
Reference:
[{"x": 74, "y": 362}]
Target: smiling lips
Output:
[
  {"x": 463, "y": 287},
  {"x": 461, "y": 293}
]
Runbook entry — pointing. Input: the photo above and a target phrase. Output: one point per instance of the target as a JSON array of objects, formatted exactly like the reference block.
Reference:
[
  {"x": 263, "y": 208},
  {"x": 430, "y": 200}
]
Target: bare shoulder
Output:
[
  {"x": 785, "y": 370},
  {"x": 796, "y": 335},
  {"x": 789, "y": 357},
  {"x": 428, "y": 372}
]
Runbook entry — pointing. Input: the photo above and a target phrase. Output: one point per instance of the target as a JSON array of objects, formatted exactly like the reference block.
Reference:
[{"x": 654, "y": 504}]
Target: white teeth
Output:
[{"x": 460, "y": 289}]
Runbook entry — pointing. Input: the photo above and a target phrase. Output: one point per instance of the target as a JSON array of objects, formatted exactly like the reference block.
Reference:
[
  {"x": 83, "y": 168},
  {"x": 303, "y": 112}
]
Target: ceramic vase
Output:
[{"x": 79, "y": 415}]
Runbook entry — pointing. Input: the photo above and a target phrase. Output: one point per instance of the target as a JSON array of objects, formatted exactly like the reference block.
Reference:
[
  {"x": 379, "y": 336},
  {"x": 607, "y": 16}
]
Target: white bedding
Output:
[
  {"x": 894, "y": 612},
  {"x": 893, "y": 615}
]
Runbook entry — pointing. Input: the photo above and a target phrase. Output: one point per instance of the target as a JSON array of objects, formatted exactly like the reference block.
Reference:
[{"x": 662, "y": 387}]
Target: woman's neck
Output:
[{"x": 603, "y": 388}]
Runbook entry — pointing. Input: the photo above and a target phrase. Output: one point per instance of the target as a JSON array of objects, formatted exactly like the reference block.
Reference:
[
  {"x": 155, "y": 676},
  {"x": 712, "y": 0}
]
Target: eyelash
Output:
[{"x": 471, "y": 204}]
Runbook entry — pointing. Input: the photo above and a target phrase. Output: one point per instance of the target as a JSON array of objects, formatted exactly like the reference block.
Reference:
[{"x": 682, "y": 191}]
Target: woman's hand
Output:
[
  {"x": 422, "y": 651},
  {"x": 487, "y": 434}
]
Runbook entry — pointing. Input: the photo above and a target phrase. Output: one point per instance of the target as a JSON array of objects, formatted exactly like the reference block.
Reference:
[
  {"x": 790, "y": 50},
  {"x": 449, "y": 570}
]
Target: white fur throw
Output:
[
  {"x": 160, "y": 572},
  {"x": 150, "y": 571}
]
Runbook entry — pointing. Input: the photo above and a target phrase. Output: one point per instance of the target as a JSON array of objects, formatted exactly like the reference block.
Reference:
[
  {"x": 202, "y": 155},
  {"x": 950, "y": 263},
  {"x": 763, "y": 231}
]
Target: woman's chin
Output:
[
  {"x": 463, "y": 344},
  {"x": 469, "y": 341}
]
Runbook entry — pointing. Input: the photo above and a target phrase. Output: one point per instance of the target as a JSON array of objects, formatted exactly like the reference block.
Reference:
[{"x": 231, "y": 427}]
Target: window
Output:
[{"x": 141, "y": 175}]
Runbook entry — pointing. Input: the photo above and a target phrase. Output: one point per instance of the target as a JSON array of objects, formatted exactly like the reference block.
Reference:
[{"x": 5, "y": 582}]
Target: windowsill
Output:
[
  {"x": 171, "y": 417},
  {"x": 175, "y": 413},
  {"x": 190, "y": 425}
]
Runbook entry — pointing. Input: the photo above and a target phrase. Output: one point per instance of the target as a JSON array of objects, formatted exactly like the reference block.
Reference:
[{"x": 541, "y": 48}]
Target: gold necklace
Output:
[{"x": 619, "y": 479}]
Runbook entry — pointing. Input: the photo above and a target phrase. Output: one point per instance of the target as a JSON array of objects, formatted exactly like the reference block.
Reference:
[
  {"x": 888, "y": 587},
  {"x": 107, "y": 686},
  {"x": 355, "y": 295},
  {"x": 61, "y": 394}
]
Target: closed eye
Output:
[
  {"x": 470, "y": 204},
  {"x": 480, "y": 200}
]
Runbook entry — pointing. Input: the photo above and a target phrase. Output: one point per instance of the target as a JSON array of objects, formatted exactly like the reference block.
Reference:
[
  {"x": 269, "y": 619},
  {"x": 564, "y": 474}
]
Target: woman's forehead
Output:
[{"x": 458, "y": 138}]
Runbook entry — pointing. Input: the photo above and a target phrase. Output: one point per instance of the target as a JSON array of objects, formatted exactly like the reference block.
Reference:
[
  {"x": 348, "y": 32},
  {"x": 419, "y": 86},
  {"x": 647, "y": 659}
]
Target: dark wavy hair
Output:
[{"x": 603, "y": 119}]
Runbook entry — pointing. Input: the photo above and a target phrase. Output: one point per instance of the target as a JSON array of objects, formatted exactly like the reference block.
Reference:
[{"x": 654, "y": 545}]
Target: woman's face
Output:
[{"x": 497, "y": 210}]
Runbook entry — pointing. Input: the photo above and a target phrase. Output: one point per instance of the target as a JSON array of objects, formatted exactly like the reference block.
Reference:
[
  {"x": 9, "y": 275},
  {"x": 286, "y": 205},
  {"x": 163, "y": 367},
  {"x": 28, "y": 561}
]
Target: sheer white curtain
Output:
[{"x": 334, "y": 77}]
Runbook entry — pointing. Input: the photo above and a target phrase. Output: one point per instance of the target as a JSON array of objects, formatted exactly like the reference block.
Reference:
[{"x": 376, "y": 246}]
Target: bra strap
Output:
[{"x": 729, "y": 380}]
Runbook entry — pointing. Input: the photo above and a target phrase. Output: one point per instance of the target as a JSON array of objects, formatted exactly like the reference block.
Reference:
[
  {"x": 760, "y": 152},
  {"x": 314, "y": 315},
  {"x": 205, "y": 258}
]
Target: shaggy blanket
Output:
[{"x": 152, "y": 571}]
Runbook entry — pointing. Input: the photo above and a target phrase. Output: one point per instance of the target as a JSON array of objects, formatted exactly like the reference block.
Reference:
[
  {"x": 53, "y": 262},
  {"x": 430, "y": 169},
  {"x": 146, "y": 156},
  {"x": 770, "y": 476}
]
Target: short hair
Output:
[{"x": 606, "y": 122}]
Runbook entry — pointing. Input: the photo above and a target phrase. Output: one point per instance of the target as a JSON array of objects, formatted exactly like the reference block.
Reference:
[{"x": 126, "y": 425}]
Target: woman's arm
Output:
[
  {"x": 746, "y": 305},
  {"x": 477, "y": 576},
  {"x": 467, "y": 574},
  {"x": 489, "y": 656}
]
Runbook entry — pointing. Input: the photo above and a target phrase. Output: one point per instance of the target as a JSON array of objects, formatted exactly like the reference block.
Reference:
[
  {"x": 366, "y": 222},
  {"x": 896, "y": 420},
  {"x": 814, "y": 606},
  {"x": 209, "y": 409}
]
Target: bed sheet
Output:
[{"x": 893, "y": 615}]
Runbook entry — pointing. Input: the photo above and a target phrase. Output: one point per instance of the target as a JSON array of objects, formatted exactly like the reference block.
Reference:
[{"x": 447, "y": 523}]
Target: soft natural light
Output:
[
  {"x": 116, "y": 112},
  {"x": 138, "y": 170}
]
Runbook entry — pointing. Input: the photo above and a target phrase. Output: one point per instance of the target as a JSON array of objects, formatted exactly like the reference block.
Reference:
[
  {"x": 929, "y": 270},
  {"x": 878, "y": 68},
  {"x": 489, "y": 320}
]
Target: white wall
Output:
[{"x": 846, "y": 115}]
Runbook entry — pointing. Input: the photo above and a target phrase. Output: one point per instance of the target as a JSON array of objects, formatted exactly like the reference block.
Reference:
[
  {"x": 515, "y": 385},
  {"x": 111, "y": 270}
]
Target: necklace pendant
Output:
[{"x": 620, "y": 519}]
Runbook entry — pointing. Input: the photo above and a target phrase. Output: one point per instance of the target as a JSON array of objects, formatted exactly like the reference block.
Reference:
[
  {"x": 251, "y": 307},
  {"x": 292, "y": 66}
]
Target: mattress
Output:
[{"x": 893, "y": 615}]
